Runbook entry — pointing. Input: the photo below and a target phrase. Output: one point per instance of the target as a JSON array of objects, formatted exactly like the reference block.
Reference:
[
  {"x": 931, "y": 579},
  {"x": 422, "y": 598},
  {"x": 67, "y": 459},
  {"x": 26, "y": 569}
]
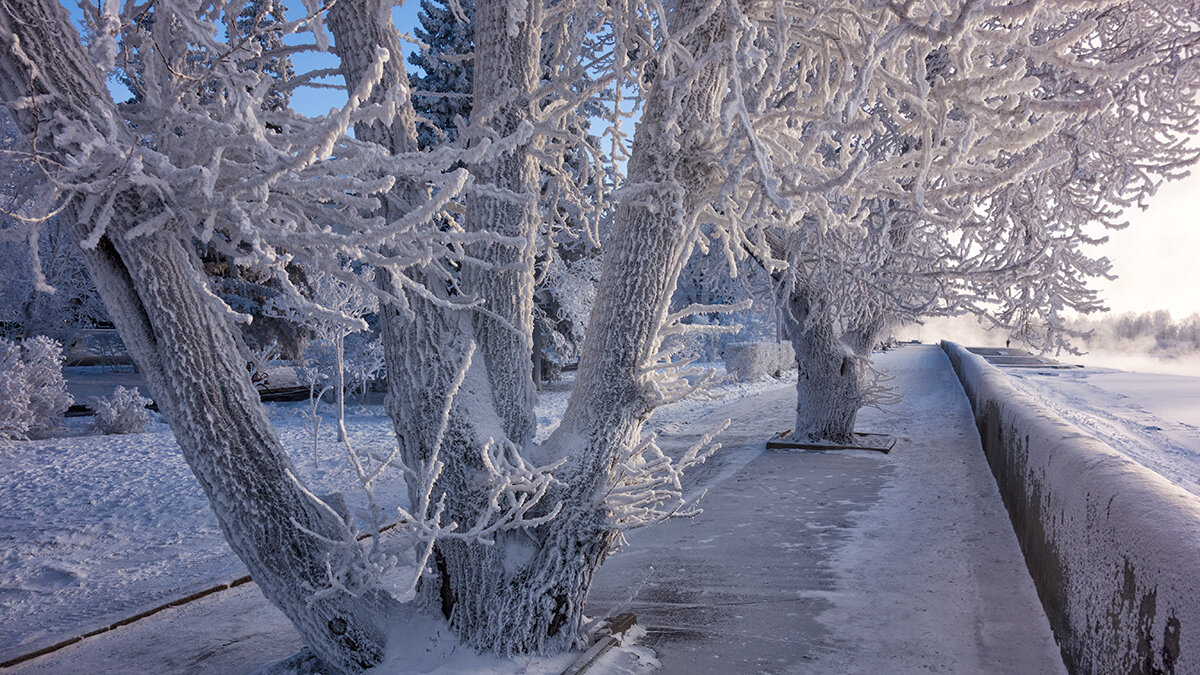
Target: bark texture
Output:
[
  {"x": 504, "y": 202},
  {"x": 186, "y": 348},
  {"x": 670, "y": 175},
  {"x": 831, "y": 378},
  {"x": 486, "y": 600}
]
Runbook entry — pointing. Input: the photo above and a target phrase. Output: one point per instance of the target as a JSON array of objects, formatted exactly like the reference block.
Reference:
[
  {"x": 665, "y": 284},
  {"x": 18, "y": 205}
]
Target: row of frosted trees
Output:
[{"x": 878, "y": 161}]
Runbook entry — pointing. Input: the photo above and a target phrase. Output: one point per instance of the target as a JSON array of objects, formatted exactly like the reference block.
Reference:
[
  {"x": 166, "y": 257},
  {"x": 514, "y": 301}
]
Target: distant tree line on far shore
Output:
[{"x": 1154, "y": 332}]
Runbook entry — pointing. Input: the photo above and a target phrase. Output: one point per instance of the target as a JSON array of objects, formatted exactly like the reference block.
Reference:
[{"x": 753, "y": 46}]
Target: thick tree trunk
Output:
[
  {"x": 651, "y": 238},
  {"x": 503, "y": 201},
  {"x": 186, "y": 348},
  {"x": 526, "y": 592},
  {"x": 831, "y": 377},
  {"x": 425, "y": 343}
]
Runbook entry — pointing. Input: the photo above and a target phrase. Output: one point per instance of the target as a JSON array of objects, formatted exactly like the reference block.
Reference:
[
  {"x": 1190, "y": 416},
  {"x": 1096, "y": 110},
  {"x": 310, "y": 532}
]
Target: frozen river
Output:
[{"x": 1152, "y": 418}]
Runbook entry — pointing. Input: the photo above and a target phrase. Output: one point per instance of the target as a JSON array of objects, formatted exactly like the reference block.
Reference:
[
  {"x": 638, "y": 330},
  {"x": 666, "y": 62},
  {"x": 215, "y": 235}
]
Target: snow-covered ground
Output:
[
  {"x": 99, "y": 528},
  {"x": 801, "y": 562},
  {"x": 1152, "y": 418}
]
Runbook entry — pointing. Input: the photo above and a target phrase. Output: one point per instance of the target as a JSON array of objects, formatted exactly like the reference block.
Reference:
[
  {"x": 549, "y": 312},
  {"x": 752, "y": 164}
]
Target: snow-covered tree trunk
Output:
[
  {"x": 670, "y": 175},
  {"x": 526, "y": 592},
  {"x": 426, "y": 342},
  {"x": 418, "y": 340},
  {"x": 184, "y": 344},
  {"x": 503, "y": 201},
  {"x": 831, "y": 377}
]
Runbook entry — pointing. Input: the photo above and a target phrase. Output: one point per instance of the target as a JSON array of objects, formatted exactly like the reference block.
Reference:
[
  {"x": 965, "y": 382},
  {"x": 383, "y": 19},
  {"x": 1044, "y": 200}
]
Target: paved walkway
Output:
[
  {"x": 836, "y": 562},
  {"x": 841, "y": 562}
]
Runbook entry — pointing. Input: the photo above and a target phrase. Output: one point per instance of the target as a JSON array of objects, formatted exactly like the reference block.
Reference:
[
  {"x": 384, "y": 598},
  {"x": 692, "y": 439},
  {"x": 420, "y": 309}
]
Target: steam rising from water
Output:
[{"x": 1129, "y": 355}]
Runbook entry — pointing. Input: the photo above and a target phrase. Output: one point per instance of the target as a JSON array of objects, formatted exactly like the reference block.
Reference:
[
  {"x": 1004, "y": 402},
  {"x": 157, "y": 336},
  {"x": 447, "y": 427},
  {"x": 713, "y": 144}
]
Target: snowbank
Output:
[
  {"x": 754, "y": 361},
  {"x": 1113, "y": 547}
]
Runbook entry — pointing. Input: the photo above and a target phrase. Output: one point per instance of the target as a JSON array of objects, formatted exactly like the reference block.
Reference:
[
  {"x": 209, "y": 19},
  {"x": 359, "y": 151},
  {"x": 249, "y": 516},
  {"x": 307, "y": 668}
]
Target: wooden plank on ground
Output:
[{"x": 607, "y": 639}]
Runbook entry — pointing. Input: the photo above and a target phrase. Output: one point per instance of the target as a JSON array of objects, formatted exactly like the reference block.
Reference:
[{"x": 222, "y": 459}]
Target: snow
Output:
[
  {"x": 1152, "y": 418},
  {"x": 839, "y": 562},
  {"x": 810, "y": 562},
  {"x": 98, "y": 528},
  {"x": 817, "y": 562}
]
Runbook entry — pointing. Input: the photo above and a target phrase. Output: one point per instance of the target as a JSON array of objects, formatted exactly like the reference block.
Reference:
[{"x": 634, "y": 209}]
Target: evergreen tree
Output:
[
  {"x": 256, "y": 20},
  {"x": 449, "y": 38}
]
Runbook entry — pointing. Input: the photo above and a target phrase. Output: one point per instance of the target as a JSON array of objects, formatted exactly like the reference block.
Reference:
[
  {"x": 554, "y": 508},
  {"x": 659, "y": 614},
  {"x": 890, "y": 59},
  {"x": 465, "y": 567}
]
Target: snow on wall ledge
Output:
[{"x": 1113, "y": 547}]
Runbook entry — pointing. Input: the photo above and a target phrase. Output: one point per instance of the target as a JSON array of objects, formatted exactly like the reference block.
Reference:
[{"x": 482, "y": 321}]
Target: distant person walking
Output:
[{"x": 1007, "y": 343}]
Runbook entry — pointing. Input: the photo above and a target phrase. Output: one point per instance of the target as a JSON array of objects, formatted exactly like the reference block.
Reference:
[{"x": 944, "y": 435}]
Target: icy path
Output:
[
  {"x": 802, "y": 562},
  {"x": 848, "y": 562},
  {"x": 1153, "y": 419}
]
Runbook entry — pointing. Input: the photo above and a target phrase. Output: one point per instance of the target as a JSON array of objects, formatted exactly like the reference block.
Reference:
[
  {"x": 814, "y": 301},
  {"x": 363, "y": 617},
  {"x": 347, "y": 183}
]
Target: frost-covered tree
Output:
[
  {"x": 891, "y": 209},
  {"x": 205, "y": 165},
  {"x": 50, "y": 295},
  {"x": 526, "y": 592},
  {"x": 197, "y": 157},
  {"x": 564, "y": 303},
  {"x": 49, "y": 292},
  {"x": 1114, "y": 158}
]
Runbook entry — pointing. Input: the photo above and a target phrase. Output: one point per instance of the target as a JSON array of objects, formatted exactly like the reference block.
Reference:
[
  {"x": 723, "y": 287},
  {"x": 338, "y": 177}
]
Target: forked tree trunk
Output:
[
  {"x": 186, "y": 348},
  {"x": 526, "y": 593},
  {"x": 652, "y": 236},
  {"x": 425, "y": 343}
]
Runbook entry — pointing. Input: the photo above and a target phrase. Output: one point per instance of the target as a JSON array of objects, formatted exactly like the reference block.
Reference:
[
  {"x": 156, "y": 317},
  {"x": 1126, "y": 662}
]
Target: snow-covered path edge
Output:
[{"x": 1113, "y": 547}]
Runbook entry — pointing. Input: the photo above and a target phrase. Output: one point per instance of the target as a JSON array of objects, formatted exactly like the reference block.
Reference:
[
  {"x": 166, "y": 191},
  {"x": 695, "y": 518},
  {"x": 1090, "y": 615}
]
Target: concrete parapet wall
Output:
[{"x": 1113, "y": 547}]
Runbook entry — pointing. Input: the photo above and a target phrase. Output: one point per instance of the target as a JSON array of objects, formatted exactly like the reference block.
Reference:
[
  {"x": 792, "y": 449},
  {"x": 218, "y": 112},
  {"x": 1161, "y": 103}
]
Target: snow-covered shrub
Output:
[
  {"x": 121, "y": 412},
  {"x": 48, "y": 395},
  {"x": 753, "y": 361},
  {"x": 15, "y": 415},
  {"x": 33, "y": 392}
]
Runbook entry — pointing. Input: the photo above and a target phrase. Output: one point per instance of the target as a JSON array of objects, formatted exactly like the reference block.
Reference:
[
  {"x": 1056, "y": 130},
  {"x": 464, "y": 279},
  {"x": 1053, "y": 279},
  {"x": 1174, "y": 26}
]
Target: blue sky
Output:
[{"x": 319, "y": 101}]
